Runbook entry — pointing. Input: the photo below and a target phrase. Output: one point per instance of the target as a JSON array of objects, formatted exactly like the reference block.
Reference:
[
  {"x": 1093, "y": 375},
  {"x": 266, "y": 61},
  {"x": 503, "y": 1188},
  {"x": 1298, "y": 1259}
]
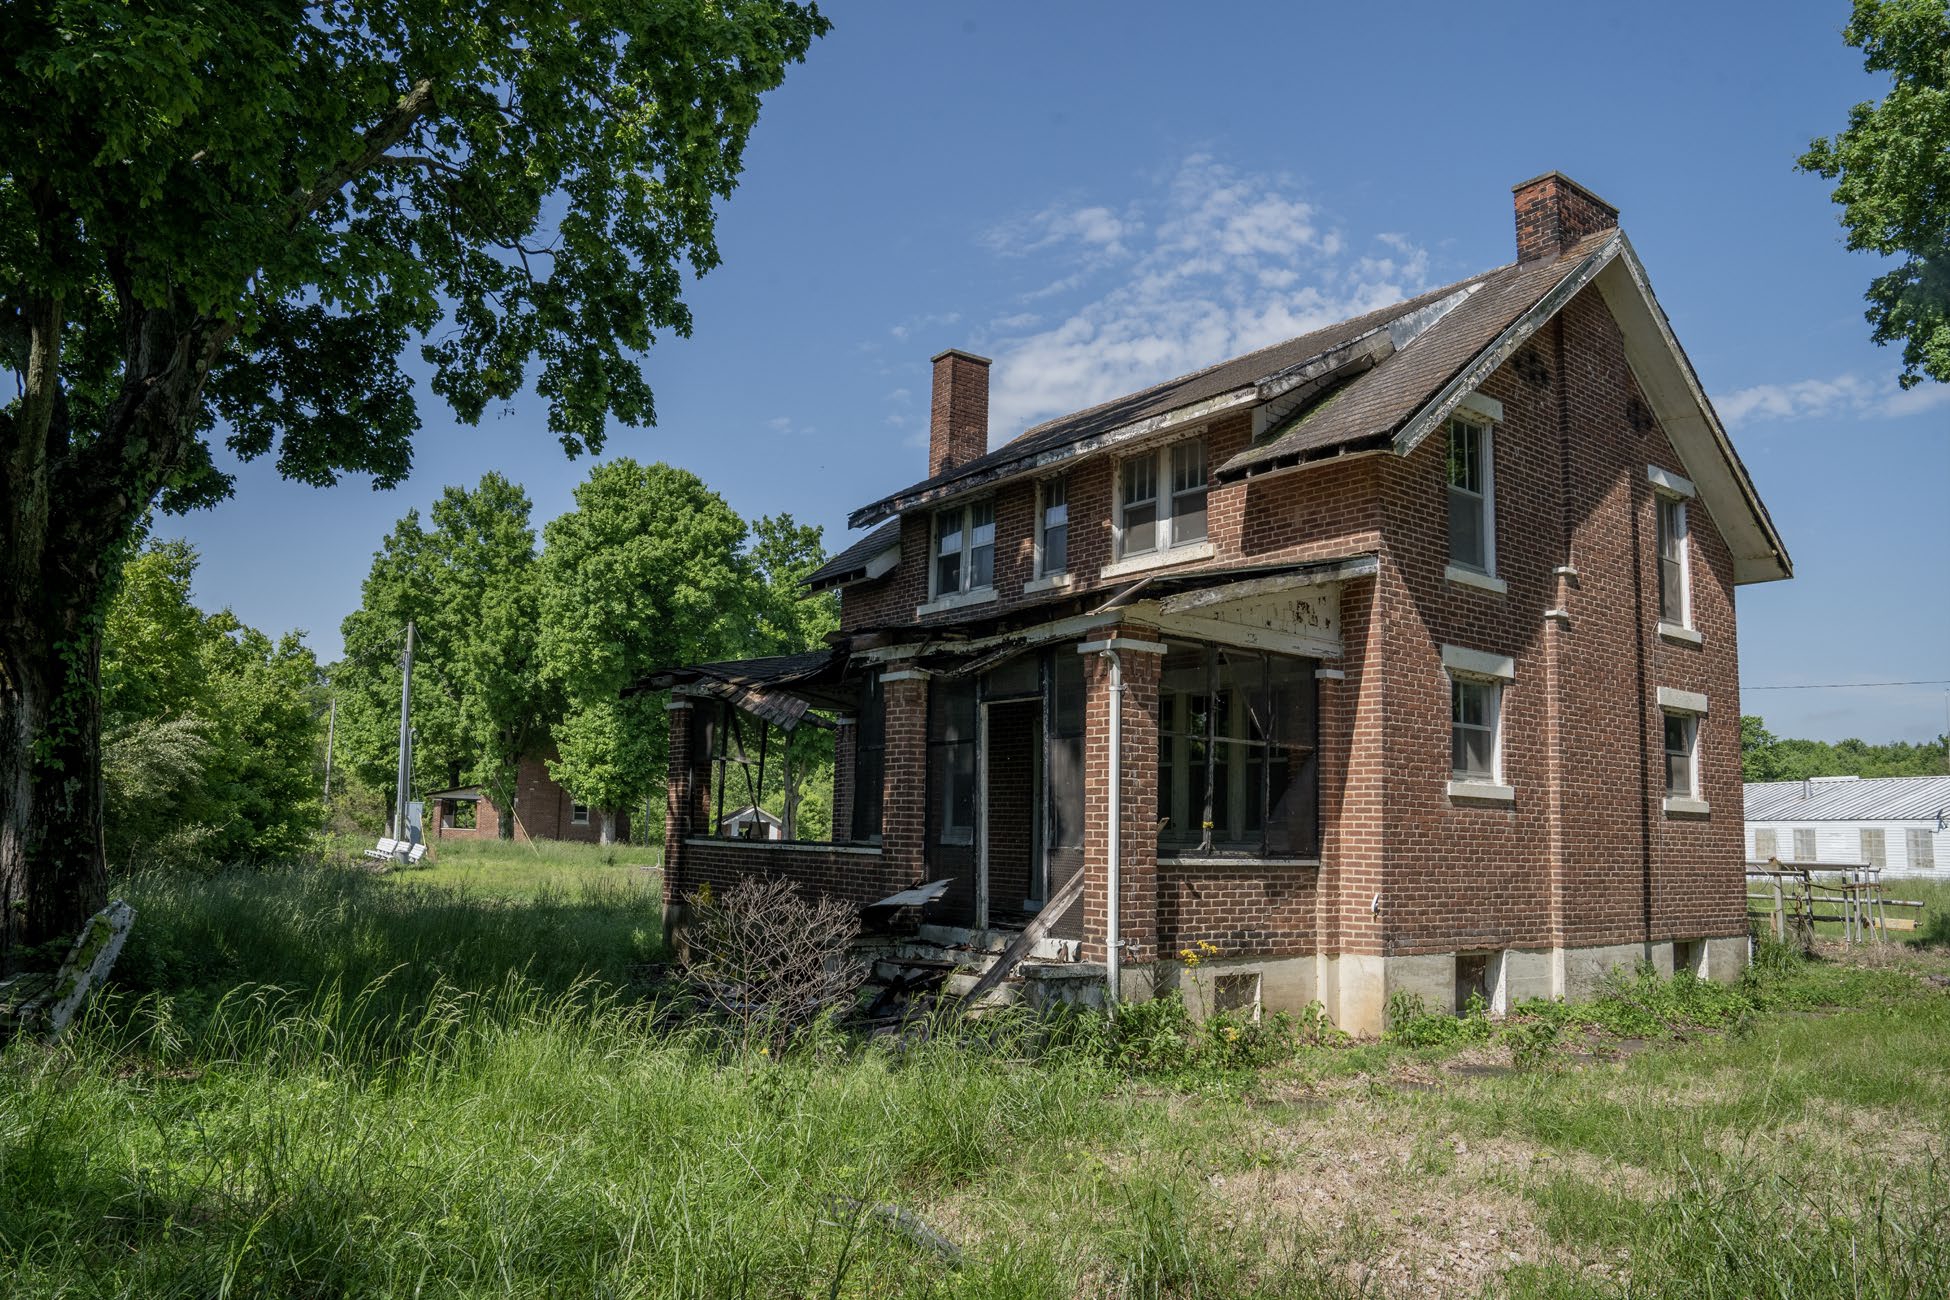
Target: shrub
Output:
[{"x": 770, "y": 961}]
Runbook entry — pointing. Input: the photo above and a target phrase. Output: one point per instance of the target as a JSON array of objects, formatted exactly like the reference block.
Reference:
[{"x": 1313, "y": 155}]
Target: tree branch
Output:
[{"x": 412, "y": 106}]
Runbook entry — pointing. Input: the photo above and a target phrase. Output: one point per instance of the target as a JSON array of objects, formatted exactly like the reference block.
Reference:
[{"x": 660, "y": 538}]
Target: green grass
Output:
[
  {"x": 319, "y": 1082},
  {"x": 527, "y": 871}
]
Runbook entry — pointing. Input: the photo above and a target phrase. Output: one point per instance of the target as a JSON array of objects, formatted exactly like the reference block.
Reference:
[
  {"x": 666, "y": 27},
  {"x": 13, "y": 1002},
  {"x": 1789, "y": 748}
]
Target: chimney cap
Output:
[
  {"x": 1561, "y": 178},
  {"x": 964, "y": 355}
]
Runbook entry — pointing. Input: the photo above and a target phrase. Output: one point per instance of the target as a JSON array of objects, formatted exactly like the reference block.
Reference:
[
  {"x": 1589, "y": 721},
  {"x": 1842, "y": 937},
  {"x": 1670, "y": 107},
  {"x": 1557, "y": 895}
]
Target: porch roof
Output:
[{"x": 780, "y": 689}]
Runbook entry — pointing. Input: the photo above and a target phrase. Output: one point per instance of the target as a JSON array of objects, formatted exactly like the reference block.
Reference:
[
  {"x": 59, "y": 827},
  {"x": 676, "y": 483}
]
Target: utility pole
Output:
[
  {"x": 405, "y": 737},
  {"x": 331, "y": 737}
]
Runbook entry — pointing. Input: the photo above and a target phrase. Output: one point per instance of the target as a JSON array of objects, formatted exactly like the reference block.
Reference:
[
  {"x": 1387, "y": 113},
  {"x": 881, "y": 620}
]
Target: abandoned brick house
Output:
[
  {"x": 1398, "y": 657},
  {"x": 543, "y": 811}
]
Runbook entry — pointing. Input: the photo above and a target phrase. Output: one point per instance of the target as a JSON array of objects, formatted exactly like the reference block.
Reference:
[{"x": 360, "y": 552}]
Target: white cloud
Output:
[
  {"x": 1845, "y": 397},
  {"x": 929, "y": 321},
  {"x": 1215, "y": 263},
  {"x": 785, "y": 425}
]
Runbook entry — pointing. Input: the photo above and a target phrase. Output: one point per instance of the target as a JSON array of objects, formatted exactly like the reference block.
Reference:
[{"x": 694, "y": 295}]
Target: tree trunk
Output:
[
  {"x": 607, "y": 835},
  {"x": 53, "y": 875}
]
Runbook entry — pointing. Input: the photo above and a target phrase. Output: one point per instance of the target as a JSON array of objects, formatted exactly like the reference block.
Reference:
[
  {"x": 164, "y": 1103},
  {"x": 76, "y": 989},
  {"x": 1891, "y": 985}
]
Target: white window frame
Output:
[
  {"x": 1495, "y": 672},
  {"x": 1457, "y": 570},
  {"x": 965, "y": 512},
  {"x": 1169, "y": 545},
  {"x": 1683, "y": 704},
  {"x": 1690, "y": 722},
  {"x": 578, "y": 813},
  {"x": 1043, "y": 489},
  {"x": 1881, "y": 841},
  {"x": 1676, "y": 490},
  {"x": 1805, "y": 838},
  {"x": 1919, "y": 848}
]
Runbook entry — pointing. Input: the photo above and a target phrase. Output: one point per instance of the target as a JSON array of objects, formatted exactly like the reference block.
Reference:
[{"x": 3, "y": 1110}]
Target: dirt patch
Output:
[{"x": 1413, "y": 1208}]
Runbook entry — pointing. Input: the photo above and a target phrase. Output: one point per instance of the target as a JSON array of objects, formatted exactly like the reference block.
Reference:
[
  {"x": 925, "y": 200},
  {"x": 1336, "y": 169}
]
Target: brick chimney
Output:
[
  {"x": 1555, "y": 212},
  {"x": 958, "y": 428}
]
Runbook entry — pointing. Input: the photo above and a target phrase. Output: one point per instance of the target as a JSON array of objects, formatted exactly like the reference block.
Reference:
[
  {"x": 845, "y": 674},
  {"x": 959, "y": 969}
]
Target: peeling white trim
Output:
[
  {"x": 1132, "y": 644},
  {"x": 1159, "y": 560},
  {"x": 1479, "y": 404}
]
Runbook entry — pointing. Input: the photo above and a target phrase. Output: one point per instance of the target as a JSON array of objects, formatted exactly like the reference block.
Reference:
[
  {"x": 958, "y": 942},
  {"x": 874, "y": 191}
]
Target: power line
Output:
[{"x": 1837, "y": 686}]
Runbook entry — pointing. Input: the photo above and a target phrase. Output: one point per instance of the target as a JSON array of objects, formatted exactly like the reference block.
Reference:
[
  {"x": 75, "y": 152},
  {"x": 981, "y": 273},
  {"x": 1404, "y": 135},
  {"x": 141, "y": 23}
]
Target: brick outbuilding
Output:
[{"x": 1399, "y": 657}]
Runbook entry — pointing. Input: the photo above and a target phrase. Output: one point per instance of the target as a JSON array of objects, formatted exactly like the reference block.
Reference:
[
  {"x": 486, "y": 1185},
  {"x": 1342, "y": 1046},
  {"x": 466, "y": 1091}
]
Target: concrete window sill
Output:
[
  {"x": 1482, "y": 792},
  {"x": 1159, "y": 560},
  {"x": 1687, "y": 807},
  {"x": 1684, "y": 635},
  {"x": 1226, "y": 860},
  {"x": 1471, "y": 578},
  {"x": 956, "y": 600},
  {"x": 1048, "y": 582}
]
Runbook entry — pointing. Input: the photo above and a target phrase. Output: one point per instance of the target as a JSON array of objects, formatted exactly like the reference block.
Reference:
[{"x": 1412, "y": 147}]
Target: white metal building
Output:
[{"x": 1898, "y": 823}]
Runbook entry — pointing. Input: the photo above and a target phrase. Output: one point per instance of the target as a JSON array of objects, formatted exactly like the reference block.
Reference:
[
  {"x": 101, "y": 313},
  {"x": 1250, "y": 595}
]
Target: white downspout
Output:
[{"x": 1113, "y": 939}]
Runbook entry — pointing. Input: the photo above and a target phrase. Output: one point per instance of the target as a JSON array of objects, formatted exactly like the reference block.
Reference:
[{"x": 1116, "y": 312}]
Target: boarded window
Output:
[
  {"x": 1875, "y": 851},
  {"x": 1922, "y": 847},
  {"x": 1804, "y": 844}
]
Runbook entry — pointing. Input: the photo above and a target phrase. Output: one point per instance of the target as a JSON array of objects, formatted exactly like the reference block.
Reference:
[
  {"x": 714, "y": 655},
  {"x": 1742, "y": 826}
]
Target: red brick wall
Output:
[{"x": 1586, "y": 854}]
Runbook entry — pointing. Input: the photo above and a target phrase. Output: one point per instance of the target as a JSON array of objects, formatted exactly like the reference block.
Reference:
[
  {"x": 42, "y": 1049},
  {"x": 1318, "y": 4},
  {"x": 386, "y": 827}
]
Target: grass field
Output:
[
  {"x": 527, "y": 871},
  {"x": 317, "y": 1082}
]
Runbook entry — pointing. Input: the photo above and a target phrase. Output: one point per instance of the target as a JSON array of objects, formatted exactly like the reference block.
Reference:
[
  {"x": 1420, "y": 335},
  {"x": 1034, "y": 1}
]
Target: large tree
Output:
[
  {"x": 467, "y": 584},
  {"x": 241, "y": 217},
  {"x": 646, "y": 572},
  {"x": 1892, "y": 172}
]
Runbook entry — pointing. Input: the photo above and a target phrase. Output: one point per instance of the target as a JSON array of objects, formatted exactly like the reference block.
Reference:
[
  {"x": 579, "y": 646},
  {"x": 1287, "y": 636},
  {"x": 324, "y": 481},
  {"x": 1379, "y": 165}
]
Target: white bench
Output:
[{"x": 404, "y": 851}]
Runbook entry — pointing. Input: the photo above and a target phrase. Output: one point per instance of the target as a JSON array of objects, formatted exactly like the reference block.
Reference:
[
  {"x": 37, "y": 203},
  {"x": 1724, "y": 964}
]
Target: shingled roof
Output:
[
  {"x": 1388, "y": 378},
  {"x": 857, "y": 560}
]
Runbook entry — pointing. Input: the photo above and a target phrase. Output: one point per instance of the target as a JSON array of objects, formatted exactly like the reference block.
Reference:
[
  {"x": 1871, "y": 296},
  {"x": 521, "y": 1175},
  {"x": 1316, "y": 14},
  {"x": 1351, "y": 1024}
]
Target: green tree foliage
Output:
[
  {"x": 247, "y": 216},
  {"x": 646, "y": 572},
  {"x": 468, "y": 585},
  {"x": 212, "y": 730},
  {"x": 1892, "y": 172},
  {"x": 1766, "y": 757}
]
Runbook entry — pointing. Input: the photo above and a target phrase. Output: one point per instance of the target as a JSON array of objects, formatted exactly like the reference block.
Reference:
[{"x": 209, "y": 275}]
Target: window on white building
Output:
[
  {"x": 1804, "y": 844},
  {"x": 1766, "y": 845},
  {"x": 1922, "y": 847},
  {"x": 1875, "y": 849}
]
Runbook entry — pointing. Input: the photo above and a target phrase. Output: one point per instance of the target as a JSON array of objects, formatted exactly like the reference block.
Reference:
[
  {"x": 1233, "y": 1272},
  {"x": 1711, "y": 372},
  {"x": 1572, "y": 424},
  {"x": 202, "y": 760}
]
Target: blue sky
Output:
[{"x": 1100, "y": 196}]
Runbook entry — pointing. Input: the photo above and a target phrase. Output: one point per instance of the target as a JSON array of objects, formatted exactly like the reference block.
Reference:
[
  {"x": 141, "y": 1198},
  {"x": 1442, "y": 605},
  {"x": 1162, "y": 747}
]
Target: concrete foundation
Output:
[{"x": 1355, "y": 988}]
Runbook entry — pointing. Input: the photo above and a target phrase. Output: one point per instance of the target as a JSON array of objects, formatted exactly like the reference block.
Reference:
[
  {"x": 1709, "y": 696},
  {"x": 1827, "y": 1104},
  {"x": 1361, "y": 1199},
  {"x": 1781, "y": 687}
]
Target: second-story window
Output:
[
  {"x": 1161, "y": 499},
  {"x": 1472, "y": 511},
  {"x": 964, "y": 548},
  {"x": 1053, "y": 528},
  {"x": 1673, "y": 583}
]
